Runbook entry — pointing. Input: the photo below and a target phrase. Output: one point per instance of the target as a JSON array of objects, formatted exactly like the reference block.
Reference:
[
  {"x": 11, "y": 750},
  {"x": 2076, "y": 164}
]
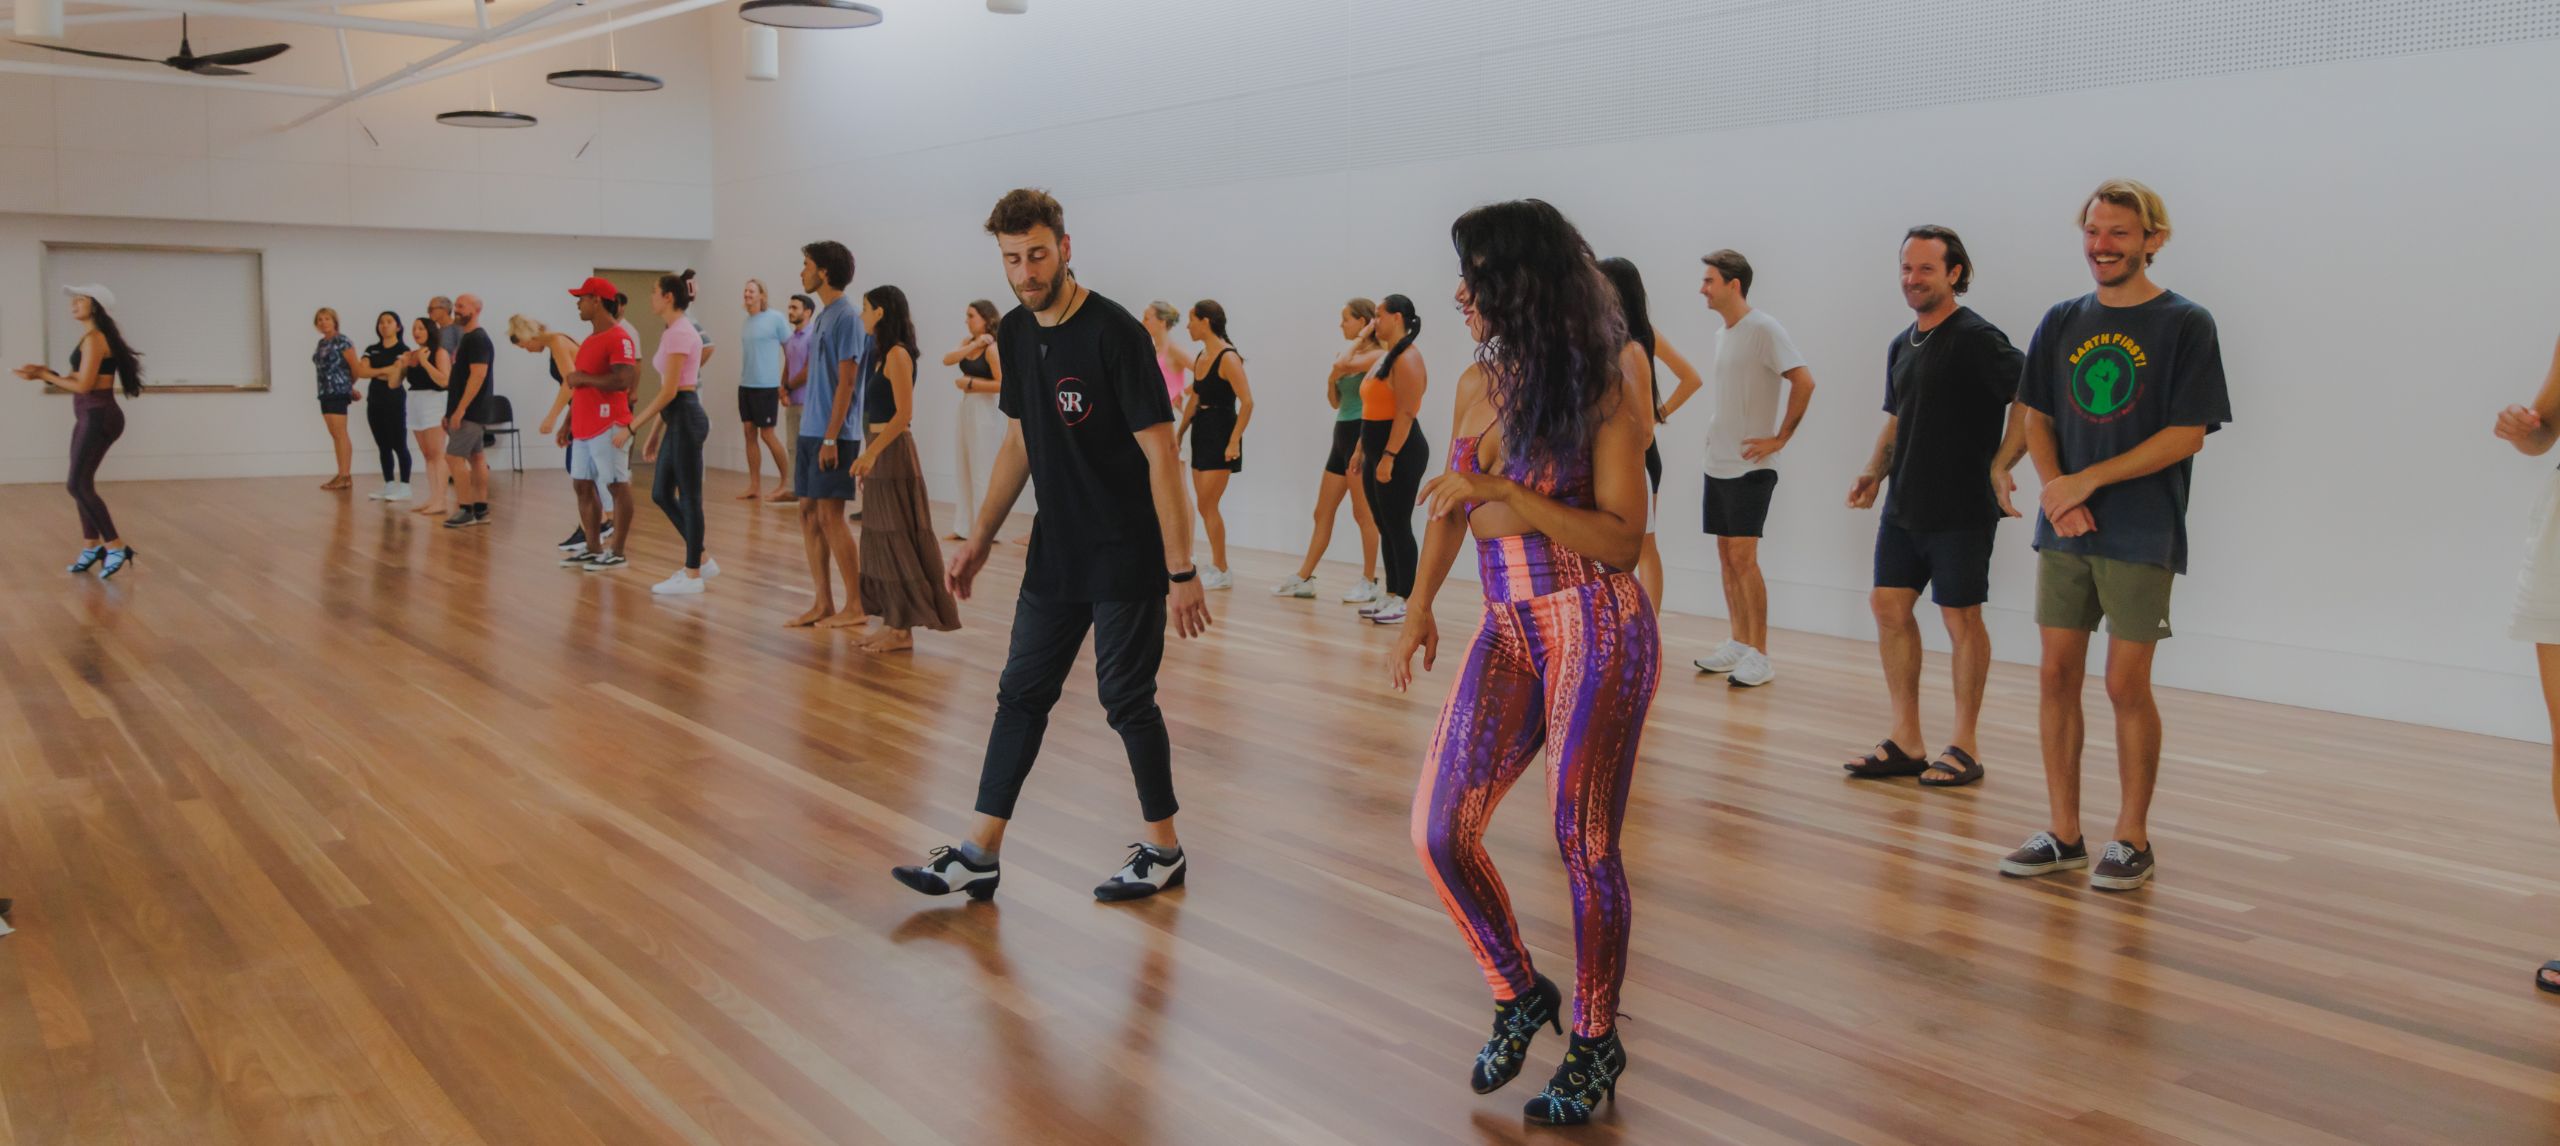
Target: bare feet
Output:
[
  {"x": 781, "y": 497},
  {"x": 341, "y": 481},
  {"x": 750, "y": 495},
  {"x": 888, "y": 640},
  {"x": 816, "y": 613},
  {"x": 955, "y": 537},
  {"x": 845, "y": 620}
]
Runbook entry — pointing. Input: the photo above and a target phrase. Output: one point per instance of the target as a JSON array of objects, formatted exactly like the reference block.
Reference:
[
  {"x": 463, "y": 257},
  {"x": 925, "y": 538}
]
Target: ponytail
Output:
[
  {"x": 1207, "y": 310},
  {"x": 1400, "y": 306},
  {"x": 679, "y": 288}
]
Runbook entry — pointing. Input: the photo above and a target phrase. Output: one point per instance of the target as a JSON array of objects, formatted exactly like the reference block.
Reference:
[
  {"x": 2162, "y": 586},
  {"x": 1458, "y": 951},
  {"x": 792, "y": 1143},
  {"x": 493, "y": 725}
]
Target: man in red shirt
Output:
[{"x": 598, "y": 435}]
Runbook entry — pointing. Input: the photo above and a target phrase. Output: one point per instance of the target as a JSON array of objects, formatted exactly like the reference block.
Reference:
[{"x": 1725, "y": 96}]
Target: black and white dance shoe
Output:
[
  {"x": 1150, "y": 869},
  {"x": 945, "y": 871}
]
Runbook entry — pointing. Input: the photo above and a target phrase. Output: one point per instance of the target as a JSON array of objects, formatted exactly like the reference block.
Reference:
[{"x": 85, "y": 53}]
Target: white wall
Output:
[
  {"x": 2344, "y": 200},
  {"x": 359, "y": 272},
  {"x": 102, "y": 148}
]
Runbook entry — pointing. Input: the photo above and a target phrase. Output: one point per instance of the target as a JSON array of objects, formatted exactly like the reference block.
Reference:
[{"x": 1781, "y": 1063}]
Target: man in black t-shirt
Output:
[
  {"x": 470, "y": 404},
  {"x": 1092, "y": 430},
  {"x": 1943, "y": 463},
  {"x": 2121, "y": 387}
]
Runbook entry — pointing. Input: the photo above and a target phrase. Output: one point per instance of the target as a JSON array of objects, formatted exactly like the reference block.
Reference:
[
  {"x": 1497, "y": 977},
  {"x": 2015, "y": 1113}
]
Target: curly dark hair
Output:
[
  {"x": 1024, "y": 208},
  {"x": 1553, "y": 326}
]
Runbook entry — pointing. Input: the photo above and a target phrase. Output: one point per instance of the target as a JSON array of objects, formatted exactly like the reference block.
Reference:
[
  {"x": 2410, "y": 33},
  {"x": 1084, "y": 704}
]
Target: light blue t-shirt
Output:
[
  {"x": 838, "y": 337},
  {"x": 761, "y": 365}
]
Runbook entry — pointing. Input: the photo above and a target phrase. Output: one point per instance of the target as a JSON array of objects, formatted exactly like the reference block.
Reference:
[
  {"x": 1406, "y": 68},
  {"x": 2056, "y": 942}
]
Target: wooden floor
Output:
[{"x": 327, "y": 825}]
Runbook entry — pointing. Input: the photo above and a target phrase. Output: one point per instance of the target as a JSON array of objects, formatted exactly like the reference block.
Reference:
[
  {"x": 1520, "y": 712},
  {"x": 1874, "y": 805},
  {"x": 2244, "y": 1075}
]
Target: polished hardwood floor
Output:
[{"x": 327, "y": 825}]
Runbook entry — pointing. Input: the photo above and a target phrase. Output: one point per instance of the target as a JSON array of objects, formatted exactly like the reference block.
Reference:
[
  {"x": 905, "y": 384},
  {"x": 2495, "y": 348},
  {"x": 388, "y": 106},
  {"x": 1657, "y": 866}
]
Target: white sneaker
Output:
[
  {"x": 1390, "y": 612},
  {"x": 1726, "y": 656},
  {"x": 396, "y": 491},
  {"x": 1212, "y": 577},
  {"x": 383, "y": 494},
  {"x": 678, "y": 585},
  {"x": 1754, "y": 670},
  {"x": 1366, "y": 592},
  {"x": 711, "y": 569},
  {"x": 1301, "y": 587}
]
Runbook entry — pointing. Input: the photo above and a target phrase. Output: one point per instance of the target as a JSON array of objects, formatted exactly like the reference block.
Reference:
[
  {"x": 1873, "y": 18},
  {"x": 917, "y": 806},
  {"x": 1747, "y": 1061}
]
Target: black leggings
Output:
[
  {"x": 386, "y": 413},
  {"x": 97, "y": 423},
  {"x": 1391, "y": 502},
  {"x": 677, "y": 488}
]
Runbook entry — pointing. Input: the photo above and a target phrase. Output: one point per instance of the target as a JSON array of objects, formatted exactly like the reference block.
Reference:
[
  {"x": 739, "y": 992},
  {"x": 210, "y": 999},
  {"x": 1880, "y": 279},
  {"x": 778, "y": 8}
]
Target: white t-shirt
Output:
[{"x": 1752, "y": 359}]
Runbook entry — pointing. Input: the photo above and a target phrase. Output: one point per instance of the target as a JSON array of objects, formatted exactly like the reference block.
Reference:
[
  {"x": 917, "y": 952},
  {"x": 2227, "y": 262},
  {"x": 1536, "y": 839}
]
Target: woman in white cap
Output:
[{"x": 99, "y": 363}]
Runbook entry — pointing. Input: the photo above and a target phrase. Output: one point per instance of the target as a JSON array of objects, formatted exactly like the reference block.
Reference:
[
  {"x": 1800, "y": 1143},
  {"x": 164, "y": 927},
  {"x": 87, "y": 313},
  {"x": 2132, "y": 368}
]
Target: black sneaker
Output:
[
  {"x": 577, "y": 542},
  {"x": 479, "y": 516},
  {"x": 2044, "y": 853},
  {"x": 1514, "y": 1024},
  {"x": 604, "y": 562},
  {"x": 1147, "y": 872},
  {"x": 2121, "y": 867},
  {"x": 89, "y": 559},
  {"x": 577, "y": 559},
  {"x": 461, "y": 517},
  {"x": 945, "y": 871},
  {"x": 1588, "y": 1074}
]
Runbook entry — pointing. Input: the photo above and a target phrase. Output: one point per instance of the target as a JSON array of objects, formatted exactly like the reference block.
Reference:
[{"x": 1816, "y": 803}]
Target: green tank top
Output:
[{"x": 1347, "y": 389}]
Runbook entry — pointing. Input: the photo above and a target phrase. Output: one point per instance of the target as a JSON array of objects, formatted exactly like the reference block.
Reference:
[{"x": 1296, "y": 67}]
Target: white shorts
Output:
[
  {"x": 426, "y": 409},
  {"x": 2537, "y": 616},
  {"x": 598, "y": 460}
]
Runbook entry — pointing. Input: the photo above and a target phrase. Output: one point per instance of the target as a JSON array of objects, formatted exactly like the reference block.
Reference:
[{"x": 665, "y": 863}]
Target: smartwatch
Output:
[{"x": 1185, "y": 575}]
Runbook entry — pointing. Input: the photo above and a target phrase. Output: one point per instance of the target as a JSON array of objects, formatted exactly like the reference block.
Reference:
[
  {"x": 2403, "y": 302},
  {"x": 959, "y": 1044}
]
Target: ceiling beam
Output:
[
  {"x": 591, "y": 31},
  {"x": 282, "y": 15},
  {"x": 341, "y": 99}
]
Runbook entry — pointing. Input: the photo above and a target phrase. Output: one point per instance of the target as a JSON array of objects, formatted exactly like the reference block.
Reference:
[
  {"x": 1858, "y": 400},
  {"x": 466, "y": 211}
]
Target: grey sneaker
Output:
[
  {"x": 2121, "y": 867},
  {"x": 2043, "y": 853}
]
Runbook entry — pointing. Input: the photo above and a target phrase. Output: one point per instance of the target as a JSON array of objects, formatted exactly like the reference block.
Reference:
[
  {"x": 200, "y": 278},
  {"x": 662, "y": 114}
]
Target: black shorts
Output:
[
  {"x": 757, "y": 404},
  {"x": 1346, "y": 442},
  {"x": 1954, "y": 564},
  {"x": 812, "y": 480},
  {"x": 1739, "y": 507},
  {"x": 1652, "y": 477},
  {"x": 336, "y": 403},
  {"x": 1212, "y": 427}
]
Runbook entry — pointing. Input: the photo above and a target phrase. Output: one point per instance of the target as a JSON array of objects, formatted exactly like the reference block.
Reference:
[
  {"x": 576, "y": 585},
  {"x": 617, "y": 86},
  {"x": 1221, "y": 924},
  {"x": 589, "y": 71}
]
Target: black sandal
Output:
[
  {"x": 1954, "y": 777},
  {"x": 1886, "y": 761},
  {"x": 2540, "y": 983}
]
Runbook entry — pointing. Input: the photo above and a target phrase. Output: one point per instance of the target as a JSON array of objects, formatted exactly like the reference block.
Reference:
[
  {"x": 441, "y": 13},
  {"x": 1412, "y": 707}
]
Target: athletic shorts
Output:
[
  {"x": 2074, "y": 591},
  {"x": 470, "y": 439},
  {"x": 1954, "y": 564},
  {"x": 598, "y": 460},
  {"x": 426, "y": 409},
  {"x": 1346, "y": 442},
  {"x": 336, "y": 403},
  {"x": 809, "y": 479},
  {"x": 758, "y": 405},
  {"x": 1739, "y": 507},
  {"x": 1212, "y": 427}
]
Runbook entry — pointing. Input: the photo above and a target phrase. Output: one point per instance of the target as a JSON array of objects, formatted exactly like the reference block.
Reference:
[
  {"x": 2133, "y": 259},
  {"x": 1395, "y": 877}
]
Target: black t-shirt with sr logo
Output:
[{"x": 1082, "y": 390}]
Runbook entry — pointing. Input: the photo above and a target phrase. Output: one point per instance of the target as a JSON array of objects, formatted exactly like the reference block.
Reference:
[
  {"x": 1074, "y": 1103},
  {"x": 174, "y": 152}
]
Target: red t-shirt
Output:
[{"x": 593, "y": 411}]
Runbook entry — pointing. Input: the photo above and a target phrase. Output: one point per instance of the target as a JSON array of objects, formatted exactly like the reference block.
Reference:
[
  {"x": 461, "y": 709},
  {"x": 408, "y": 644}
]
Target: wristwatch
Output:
[{"x": 1185, "y": 575}]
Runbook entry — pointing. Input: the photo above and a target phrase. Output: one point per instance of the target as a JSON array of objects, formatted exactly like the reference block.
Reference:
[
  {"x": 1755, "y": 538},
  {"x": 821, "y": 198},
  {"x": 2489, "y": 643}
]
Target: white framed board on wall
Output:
[{"x": 197, "y": 315}]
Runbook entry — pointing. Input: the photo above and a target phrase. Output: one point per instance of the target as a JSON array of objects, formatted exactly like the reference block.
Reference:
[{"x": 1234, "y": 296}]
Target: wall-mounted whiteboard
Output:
[{"x": 197, "y": 315}]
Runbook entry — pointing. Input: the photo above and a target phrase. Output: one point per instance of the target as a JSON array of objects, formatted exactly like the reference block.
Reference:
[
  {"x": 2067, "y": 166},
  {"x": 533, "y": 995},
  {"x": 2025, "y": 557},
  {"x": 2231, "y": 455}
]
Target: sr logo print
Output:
[{"x": 1072, "y": 406}]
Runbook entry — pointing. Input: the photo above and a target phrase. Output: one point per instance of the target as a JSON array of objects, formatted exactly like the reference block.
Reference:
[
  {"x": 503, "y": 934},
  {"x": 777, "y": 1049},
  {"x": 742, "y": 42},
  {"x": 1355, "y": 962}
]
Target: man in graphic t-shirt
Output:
[
  {"x": 2121, "y": 385},
  {"x": 1755, "y": 362},
  {"x": 1949, "y": 377},
  {"x": 1091, "y": 428},
  {"x": 598, "y": 435},
  {"x": 830, "y": 436}
]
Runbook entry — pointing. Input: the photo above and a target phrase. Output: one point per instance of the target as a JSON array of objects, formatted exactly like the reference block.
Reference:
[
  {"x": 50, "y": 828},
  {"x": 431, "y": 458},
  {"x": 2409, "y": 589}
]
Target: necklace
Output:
[{"x": 1916, "y": 337}]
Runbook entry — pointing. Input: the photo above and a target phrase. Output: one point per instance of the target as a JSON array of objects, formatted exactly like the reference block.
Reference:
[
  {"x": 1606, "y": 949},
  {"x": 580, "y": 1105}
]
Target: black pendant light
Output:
[
  {"x": 809, "y": 13},
  {"x": 489, "y": 117},
  {"x": 610, "y": 77}
]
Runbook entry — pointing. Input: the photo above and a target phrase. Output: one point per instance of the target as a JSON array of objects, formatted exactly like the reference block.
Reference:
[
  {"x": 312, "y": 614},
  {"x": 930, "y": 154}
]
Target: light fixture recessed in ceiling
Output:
[
  {"x": 486, "y": 117},
  {"x": 809, "y": 13},
  {"x": 605, "y": 80}
]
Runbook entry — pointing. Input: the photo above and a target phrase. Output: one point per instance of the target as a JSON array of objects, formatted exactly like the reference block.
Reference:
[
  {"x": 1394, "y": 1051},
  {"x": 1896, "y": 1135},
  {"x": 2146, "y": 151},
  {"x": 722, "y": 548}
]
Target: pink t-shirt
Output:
[{"x": 680, "y": 338}]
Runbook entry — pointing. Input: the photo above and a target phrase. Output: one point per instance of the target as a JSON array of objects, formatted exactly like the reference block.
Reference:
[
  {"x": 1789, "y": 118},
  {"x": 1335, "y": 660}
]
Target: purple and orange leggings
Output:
[{"x": 1567, "y": 661}]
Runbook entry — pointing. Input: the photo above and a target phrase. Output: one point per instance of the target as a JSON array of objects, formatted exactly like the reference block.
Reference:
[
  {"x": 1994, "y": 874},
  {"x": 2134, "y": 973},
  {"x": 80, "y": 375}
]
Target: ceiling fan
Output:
[{"x": 216, "y": 64}]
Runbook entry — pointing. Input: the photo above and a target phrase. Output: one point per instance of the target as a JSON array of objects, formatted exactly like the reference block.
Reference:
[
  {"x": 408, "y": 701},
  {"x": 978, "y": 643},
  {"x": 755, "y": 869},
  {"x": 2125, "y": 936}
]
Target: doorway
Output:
[{"x": 639, "y": 287}]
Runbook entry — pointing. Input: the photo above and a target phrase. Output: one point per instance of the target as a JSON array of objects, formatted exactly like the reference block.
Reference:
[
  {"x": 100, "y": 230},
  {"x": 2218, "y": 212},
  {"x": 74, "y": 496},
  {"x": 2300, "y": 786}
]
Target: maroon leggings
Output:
[{"x": 98, "y": 423}]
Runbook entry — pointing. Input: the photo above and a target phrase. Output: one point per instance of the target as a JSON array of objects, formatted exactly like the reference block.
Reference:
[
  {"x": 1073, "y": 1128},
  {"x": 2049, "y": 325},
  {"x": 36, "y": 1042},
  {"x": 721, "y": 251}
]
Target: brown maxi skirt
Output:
[{"x": 901, "y": 561}]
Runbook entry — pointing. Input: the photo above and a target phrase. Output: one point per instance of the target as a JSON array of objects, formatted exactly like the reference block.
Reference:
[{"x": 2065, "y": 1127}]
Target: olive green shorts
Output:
[{"x": 2073, "y": 592}]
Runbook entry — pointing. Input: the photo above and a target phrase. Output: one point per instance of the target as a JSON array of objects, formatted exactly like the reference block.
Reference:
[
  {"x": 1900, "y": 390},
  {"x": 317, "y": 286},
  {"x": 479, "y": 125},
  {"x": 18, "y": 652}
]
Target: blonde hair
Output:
[
  {"x": 1164, "y": 312},
  {"x": 2135, "y": 196},
  {"x": 521, "y": 330},
  {"x": 327, "y": 312},
  {"x": 1365, "y": 311}
]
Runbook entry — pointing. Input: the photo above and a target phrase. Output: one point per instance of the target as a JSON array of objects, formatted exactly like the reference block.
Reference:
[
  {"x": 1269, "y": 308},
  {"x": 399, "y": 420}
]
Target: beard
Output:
[{"x": 1038, "y": 295}]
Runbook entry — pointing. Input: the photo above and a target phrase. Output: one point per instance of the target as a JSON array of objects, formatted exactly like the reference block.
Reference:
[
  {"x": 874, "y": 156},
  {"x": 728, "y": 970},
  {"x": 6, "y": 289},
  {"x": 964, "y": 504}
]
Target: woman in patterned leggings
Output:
[{"x": 1546, "y": 467}]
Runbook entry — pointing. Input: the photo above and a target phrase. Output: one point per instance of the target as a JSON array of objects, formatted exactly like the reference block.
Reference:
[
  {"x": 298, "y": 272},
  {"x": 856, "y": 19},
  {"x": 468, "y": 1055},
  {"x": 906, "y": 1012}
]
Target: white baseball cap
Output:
[{"x": 93, "y": 292}]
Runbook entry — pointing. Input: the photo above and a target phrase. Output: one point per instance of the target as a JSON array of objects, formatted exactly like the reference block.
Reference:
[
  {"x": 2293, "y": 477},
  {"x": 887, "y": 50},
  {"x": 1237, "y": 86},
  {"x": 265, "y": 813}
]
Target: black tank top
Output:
[
  {"x": 879, "y": 400},
  {"x": 975, "y": 366},
  {"x": 1216, "y": 393}
]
